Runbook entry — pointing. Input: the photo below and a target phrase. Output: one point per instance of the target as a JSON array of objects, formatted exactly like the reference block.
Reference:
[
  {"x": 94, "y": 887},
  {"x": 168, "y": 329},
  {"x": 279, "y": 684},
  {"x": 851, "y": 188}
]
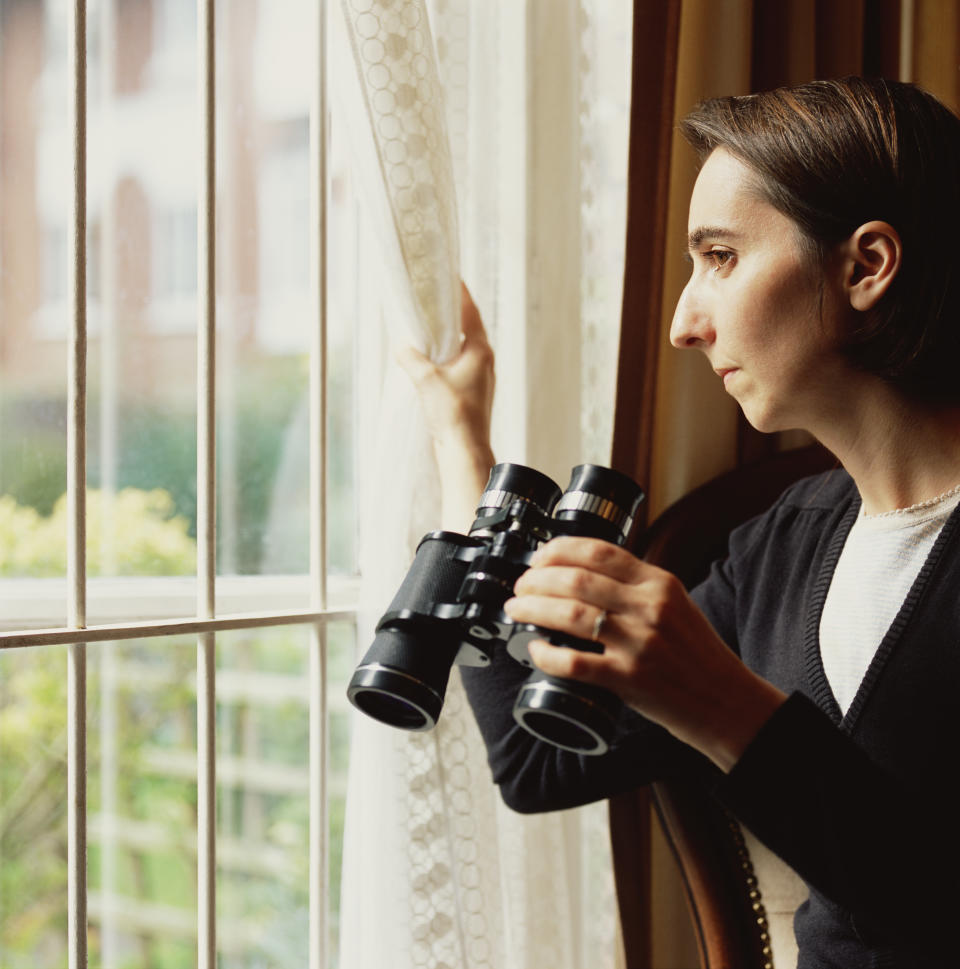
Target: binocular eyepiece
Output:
[{"x": 449, "y": 608}]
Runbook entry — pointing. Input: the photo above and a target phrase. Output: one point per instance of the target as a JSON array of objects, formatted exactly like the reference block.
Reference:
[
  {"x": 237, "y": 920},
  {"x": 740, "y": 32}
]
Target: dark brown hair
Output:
[{"x": 832, "y": 155}]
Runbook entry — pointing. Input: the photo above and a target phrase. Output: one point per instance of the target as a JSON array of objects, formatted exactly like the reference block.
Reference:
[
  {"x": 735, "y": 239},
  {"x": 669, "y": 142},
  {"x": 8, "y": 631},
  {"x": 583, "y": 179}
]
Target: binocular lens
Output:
[
  {"x": 392, "y": 710},
  {"x": 394, "y": 698},
  {"x": 562, "y": 733},
  {"x": 403, "y": 678},
  {"x": 569, "y": 715}
]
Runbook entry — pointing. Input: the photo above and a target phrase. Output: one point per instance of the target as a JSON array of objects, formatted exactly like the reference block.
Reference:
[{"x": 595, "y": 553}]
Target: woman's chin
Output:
[{"x": 764, "y": 418}]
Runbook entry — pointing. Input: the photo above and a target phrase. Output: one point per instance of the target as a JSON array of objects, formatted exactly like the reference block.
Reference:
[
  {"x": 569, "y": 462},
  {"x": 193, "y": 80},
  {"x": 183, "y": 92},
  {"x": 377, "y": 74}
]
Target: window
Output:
[{"x": 282, "y": 636}]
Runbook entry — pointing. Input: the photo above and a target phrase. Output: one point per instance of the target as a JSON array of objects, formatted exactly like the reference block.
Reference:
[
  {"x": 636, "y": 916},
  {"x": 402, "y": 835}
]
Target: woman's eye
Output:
[
  {"x": 712, "y": 259},
  {"x": 718, "y": 257}
]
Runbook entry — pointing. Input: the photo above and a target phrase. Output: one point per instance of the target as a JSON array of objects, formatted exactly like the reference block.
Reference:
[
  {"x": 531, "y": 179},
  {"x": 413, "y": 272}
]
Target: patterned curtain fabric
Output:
[
  {"x": 465, "y": 121},
  {"x": 400, "y": 87}
]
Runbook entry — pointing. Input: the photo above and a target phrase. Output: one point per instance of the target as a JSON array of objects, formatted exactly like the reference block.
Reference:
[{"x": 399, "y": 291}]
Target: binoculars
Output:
[{"x": 449, "y": 608}]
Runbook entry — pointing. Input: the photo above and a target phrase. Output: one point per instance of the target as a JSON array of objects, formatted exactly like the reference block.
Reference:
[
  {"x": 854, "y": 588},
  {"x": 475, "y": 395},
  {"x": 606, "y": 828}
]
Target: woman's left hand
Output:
[
  {"x": 456, "y": 399},
  {"x": 661, "y": 655}
]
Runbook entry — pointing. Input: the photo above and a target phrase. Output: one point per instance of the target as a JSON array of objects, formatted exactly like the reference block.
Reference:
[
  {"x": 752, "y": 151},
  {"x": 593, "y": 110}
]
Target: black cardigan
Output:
[{"x": 862, "y": 806}]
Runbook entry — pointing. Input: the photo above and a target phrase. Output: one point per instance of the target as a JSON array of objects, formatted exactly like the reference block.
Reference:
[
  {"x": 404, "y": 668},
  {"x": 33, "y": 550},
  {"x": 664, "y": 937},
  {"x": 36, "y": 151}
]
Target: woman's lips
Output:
[{"x": 725, "y": 373}]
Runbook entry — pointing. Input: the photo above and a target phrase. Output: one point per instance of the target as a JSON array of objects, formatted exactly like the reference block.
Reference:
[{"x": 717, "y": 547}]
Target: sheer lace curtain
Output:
[{"x": 490, "y": 139}]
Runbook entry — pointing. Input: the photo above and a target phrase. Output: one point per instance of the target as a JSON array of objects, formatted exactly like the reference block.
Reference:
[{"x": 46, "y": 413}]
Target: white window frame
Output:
[{"x": 176, "y": 617}]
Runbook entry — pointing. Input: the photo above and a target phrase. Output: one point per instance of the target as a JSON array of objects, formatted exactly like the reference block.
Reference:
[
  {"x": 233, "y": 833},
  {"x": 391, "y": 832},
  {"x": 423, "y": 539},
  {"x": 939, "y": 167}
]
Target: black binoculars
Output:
[{"x": 449, "y": 608}]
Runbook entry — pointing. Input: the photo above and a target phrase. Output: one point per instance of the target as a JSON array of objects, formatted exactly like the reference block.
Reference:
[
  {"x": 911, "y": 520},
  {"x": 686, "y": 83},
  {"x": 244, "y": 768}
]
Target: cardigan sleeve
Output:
[
  {"x": 534, "y": 775},
  {"x": 888, "y": 855}
]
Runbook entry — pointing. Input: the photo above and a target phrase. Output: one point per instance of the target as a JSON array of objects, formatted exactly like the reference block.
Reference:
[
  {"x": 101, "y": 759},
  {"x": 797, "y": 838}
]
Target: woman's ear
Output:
[{"x": 872, "y": 260}]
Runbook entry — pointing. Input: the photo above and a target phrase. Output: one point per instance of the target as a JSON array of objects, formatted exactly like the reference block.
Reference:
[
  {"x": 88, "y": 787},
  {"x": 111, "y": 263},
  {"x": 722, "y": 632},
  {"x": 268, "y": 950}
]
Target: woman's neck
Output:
[{"x": 898, "y": 451}]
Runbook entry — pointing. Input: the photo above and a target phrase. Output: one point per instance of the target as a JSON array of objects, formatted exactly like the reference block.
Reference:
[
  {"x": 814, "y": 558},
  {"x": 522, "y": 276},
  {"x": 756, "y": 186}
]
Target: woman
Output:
[{"x": 809, "y": 682}]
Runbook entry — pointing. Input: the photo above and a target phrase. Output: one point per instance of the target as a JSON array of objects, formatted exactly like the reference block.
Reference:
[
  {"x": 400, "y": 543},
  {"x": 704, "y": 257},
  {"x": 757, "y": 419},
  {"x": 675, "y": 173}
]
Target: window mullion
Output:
[
  {"x": 318, "y": 888},
  {"x": 76, "y": 500},
  {"x": 109, "y": 718},
  {"x": 206, "y": 494}
]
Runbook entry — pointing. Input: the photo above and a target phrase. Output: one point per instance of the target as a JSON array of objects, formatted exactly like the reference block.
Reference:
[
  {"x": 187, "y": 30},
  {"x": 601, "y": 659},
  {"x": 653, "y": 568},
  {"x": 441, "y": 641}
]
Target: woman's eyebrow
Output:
[{"x": 698, "y": 236}]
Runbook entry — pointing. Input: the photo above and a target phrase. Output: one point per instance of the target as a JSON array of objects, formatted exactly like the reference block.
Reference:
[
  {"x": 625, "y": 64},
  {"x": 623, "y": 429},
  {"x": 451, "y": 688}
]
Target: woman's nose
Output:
[{"x": 691, "y": 327}]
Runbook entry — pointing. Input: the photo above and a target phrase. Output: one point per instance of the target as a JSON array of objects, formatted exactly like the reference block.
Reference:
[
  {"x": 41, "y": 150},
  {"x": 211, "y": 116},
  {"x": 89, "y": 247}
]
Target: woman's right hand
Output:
[{"x": 457, "y": 402}]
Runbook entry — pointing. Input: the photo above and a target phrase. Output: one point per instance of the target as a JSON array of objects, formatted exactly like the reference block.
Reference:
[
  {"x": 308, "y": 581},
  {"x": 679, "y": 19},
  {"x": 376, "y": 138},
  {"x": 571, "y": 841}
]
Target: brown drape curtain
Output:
[{"x": 674, "y": 427}]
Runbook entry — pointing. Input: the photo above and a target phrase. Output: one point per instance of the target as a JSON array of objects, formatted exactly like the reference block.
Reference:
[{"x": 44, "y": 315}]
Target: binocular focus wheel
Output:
[
  {"x": 394, "y": 697},
  {"x": 563, "y": 718}
]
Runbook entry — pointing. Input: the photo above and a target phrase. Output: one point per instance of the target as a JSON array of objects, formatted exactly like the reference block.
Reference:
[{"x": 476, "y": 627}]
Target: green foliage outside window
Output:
[
  {"x": 155, "y": 709},
  {"x": 145, "y": 536}
]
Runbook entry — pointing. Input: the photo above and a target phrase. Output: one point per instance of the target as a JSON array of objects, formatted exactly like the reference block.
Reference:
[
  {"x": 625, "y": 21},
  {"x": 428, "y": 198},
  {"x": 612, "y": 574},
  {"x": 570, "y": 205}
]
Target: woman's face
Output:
[{"x": 766, "y": 316}]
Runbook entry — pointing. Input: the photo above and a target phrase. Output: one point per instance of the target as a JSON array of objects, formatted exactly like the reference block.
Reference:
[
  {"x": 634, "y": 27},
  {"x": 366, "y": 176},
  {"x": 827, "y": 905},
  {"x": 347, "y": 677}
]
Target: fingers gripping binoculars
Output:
[{"x": 449, "y": 608}]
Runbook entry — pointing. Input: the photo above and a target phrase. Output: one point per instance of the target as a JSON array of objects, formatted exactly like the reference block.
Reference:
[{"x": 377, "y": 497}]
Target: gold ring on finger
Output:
[{"x": 598, "y": 622}]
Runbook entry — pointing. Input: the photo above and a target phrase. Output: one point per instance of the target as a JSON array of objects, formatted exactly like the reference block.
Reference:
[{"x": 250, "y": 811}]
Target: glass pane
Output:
[
  {"x": 33, "y": 291},
  {"x": 143, "y": 797},
  {"x": 142, "y": 290},
  {"x": 142, "y": 794},
  {"x": 263, "y": 797},
  {"x": 263, "y": 720},
  {"x": 265, "y": 303},
  {"x": 33, "y": 808},
  {"x": 349, "y": 284},
  {"x": 341, "y": 660}
]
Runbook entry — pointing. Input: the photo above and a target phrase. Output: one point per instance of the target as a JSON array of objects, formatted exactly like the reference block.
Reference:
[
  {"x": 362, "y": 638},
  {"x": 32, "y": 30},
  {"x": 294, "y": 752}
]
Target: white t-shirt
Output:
[{"x": 880, "y": 561}]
